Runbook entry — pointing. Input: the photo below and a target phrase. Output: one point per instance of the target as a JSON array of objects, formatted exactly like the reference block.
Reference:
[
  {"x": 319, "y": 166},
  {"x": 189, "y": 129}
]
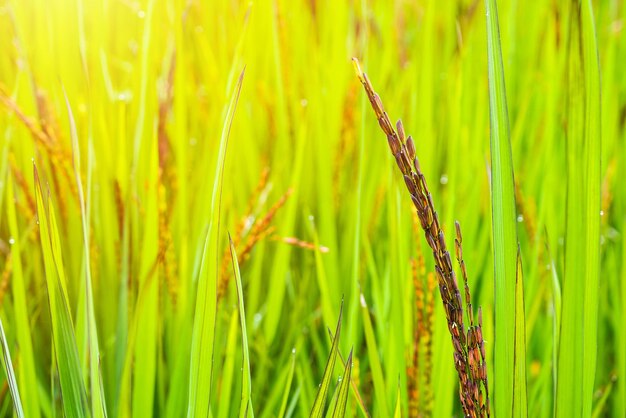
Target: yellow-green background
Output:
[{"x": 302, "y": 113}]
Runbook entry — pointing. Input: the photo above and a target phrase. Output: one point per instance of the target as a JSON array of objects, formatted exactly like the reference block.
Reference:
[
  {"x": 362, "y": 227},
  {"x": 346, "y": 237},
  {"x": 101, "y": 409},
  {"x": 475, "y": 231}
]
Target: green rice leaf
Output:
[
  {"x": 10, "y": 373},
  {"x": 320, "y": 399},
  {"x": 68, "y": 365},
  {"x": 245, "y": 408},
  {"x": 342, "y": 399},
  {"x": 600, "y": 408},
  {"x": 504, "y": 222},
  {"x": 579, "y": 321},
  {"x": 355, "y": 390},
  {"x": 203, "y": 339},
  {"x": 520, "y": 402},
  {"x": 372, "y": 353},
  {"x": 292, "y": 367},
  {"x": 28, "y": 383},
  {"x": 98, "y": 403},
  {"x": 398, "y": 412}
]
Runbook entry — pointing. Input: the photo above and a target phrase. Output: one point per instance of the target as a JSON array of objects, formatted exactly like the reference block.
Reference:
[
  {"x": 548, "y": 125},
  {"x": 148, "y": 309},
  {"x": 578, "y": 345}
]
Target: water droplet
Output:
[
  {"x": 293, "y": 350},
  {"x": 257, "y": 319},
  {"x": 444, "y": 179},
  {"x": 124, "y": 96},
  {"x": 11, "y": 240},
  {"x": 601, "y": 213},
  {"x": 520, "y": 218},
  {"x": 304, "y": 102},
  {"x": 141, "y": 14},
  {"x": 133, "y": 46}
]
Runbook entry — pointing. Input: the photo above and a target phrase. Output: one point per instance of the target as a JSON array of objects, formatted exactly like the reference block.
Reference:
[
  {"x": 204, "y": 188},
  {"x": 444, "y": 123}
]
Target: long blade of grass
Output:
[
  {"x": 503, "y": 221},
  {"x": 203, "y": 338},
  {"x": 520, "y": 402},
  {"x": 398, "y": 412},
  {"x": 342, "y": 398},
  {"x": 376, "y": 367},
  {"x": 228, "y": 368},
  {"x": 10, "y": 373},
  {"x": 320, "y": 399},
  {"x": 292, "y": 367},
  {"x": 245, "y": 409},
  {"x": 72, "y": 388},
  {"x": 579, "y": 327},
  {"x": 28, "y": 383},
  {"x": 600, "y": 408},
  {"x": 98, "y": 406},
  {"x": 355, "y": 390}
]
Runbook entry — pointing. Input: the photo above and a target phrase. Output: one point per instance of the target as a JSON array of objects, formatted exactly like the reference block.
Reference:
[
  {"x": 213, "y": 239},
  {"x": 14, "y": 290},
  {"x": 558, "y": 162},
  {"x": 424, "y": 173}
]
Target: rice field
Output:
[{"x": 209, "y": 208}]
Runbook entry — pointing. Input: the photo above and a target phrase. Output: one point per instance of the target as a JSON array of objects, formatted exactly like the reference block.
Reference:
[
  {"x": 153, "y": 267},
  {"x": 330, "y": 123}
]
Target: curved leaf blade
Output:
[
  {"x": 342, "y": 399},
  {"x": 320, "y": 399},
  {"x": 245, "y": 409},
  {"x": 70, "y": 375}
]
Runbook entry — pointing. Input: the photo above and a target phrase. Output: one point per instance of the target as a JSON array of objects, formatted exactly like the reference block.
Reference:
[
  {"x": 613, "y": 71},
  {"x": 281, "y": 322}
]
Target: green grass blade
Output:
[
  {"x": 342, "y": 399},
  {"x": 28, "y": 383},
  {"x": 292, "y": 367},
  {"x": 72, "y": 388},
  {"x": 504, "y": 221},
  {"x": 203, "y": 338},
  {"x": 10, "y": 373},
  {"x": 98, "y": 407},
  {"x": 398, "y": 412},
  {"x": 317, "y": 410},
  {"x": 600, "y": 407},
  {"x": 355, "y": 390},
  {"x": 579, "y": 327},
  {"x": 520, "y": 402},
  {"x": 228, "y": 368},
  {"x": 373, "y": 355},
  {"x": 245, "y": 409}
]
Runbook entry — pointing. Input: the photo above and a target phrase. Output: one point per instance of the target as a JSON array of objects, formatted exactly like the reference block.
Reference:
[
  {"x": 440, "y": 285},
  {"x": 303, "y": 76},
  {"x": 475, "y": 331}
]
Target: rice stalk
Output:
[
  {"x": 468, "y": 354},
  {"x": 260, "y": 229},
  {"x": 19, "y": 178},
  {"x": 166, "y": 243}
]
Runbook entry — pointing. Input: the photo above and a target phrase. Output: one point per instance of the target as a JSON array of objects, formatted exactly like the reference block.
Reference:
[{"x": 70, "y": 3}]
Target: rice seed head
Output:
[
  {"x": 404, "y": 152},
  {"x": 401, "y": 133}
]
